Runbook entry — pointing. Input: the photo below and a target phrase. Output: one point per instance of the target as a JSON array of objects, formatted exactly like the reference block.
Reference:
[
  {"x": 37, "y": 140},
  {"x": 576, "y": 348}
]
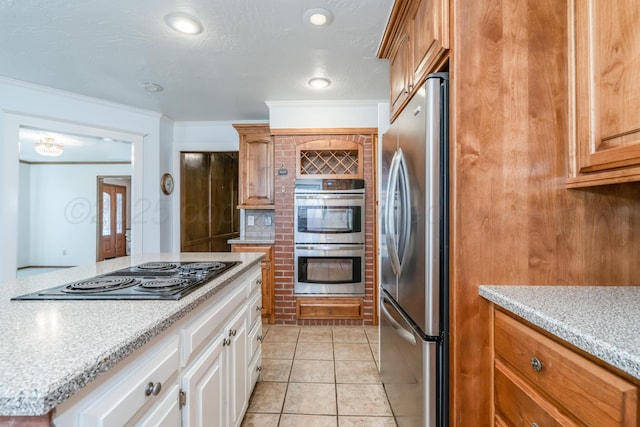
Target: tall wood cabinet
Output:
[
  {"x": 415, "y": 42},
  {"x": 605, "y": 61},
  {"x": 255, "y": 166},
  {"x": 268, "y": 277}
]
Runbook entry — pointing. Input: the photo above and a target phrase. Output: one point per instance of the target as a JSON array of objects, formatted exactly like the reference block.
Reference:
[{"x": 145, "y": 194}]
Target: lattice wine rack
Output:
[{"x": 332, "y": 158}]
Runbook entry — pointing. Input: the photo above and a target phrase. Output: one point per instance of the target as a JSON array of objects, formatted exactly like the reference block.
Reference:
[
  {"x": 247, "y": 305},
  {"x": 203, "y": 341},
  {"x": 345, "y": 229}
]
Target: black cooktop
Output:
[{"x": 149, "y": 281}]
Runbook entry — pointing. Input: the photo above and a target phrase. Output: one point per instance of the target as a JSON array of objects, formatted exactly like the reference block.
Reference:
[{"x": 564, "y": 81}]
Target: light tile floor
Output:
[{"x": 319, "y": 376}]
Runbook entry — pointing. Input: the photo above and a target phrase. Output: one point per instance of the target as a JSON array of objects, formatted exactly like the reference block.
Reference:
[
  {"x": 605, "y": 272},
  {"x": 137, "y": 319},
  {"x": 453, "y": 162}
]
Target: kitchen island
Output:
[
  {"x": 55, "y": 351},
  {"x": 565, "y": 355}
]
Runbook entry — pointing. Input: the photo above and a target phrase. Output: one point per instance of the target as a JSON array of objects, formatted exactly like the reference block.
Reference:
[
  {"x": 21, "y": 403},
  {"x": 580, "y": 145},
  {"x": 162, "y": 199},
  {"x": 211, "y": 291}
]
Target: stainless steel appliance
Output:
[
  {"x": 414, "y": 259},
  {"x": 329, "y": 237},
  {"x": 329, "y": 211},
  {"x": 149, "y": 281},
  {"x": 329, "y": 270}
]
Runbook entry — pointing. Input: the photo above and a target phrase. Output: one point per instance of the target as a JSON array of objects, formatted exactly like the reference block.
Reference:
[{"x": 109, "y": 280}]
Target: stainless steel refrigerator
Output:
[{"x": 414, "y": 259}]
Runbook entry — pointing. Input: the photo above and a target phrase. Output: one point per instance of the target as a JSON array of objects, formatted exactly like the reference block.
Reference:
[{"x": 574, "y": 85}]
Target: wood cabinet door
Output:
[
  {"x": 606, "y": 62},
  {"x": 268, "y": 277},
  {"x": 430, "y": 37},
  {"x": 255, "y": 165},
  {"x": 400, "y": 70}
]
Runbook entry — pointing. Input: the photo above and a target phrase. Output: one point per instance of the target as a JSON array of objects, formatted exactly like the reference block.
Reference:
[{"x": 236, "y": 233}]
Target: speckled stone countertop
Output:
[
  {"x": 602, "y": 320},
  {"x": 52, "y": 349}
]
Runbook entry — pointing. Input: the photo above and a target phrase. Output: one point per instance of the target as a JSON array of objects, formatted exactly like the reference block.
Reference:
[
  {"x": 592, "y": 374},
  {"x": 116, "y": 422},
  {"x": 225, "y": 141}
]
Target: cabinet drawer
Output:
[
  {"x": 255, "y": 308},
  {"x": 329, "y": 308},
  {"x": 591, "y": 393},
  {"x": 119, "y": 404},
  {"x": 517, "y": 404},
  {"x": 255, "y": 367},
  {"x": 165, "y": 413},
  {"x": 203, "y": 328},
  {"x": 255, "y": 339}
]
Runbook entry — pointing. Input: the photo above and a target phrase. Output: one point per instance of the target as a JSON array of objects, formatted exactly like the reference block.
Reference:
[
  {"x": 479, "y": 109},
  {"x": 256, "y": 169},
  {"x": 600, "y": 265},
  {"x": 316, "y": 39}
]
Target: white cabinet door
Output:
[
  {"x": 205, "y": 385},
  {"x": 165, "y": 413},
  {"x": 237, "y": 366}
]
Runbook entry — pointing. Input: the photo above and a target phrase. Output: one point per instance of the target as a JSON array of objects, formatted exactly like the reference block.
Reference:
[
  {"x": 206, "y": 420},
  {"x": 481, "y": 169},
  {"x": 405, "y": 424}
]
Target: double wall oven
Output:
[{"x": 329, "y": 237}]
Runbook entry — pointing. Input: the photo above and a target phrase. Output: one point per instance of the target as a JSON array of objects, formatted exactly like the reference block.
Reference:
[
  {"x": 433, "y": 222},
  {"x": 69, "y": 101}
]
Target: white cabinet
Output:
[
  {"x": 205, "y": 387},
  {"x": 200, "y": 372}
]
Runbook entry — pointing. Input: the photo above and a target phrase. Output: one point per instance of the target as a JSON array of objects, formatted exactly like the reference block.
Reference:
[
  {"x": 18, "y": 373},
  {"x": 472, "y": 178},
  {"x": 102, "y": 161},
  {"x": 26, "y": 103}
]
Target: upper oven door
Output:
[{"x": 329, "y": 218}]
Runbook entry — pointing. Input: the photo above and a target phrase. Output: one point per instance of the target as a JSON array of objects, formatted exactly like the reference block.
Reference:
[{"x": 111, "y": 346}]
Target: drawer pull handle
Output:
[
  {"x": 259, "y": 281},
  {"x": 259, "y": 338},
  {"x": 258, "y": 308},
  {"x": 226, "y": 342},
  {"x": 536, "y": 364},
  {"x": 232, "y": 332},
  {"x": 153, "y": 389},
  {"x": 534, "y": 424},
  {"x": 259, "y": 369}
]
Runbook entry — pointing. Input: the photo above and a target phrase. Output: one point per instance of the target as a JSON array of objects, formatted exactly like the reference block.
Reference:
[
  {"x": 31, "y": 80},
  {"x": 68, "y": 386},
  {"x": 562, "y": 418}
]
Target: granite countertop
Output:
[
  {"x": 602, "y": 320},
  {"x": 52, "y": 349}
]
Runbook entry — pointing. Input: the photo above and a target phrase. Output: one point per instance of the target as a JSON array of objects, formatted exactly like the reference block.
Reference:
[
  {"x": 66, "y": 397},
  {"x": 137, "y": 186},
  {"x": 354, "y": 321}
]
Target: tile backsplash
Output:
[{"x": 257, "y": 224}]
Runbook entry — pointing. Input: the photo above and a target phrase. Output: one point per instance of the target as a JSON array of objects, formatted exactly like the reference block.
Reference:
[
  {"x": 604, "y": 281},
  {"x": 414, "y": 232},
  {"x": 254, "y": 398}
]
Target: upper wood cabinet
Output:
[
  {"x": 415, "y": 42},
  {"x": 255, "y": 166},
  {"x": 605, "y": 119}
]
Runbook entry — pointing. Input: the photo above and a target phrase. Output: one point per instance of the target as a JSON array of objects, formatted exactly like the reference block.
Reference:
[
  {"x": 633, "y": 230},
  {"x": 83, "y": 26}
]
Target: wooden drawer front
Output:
[
  {"x": 204, "y": 327},
  {"x": 121, "y": 403},
  {"x": 329, "y": 308},
  {"x": 255, "y": 339},
  {"x": 517, "y": 404},
  {"x": 589, "y": 392}
]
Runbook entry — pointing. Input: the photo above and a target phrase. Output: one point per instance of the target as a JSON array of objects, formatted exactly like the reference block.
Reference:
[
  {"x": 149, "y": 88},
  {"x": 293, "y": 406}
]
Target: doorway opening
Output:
[
  {"x": 113, "y": 217},
  {"x": 208, "y": 200}
]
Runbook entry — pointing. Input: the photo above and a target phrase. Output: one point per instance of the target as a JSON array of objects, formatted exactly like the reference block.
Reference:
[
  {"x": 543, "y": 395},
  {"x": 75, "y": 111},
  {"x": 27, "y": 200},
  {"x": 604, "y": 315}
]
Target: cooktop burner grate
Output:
[
  {"x": 160, "y": 285},
  {"x": 204, "y": 265},
  {"x": 100, "y": 284},
  {"x": 157, "y": 266}
]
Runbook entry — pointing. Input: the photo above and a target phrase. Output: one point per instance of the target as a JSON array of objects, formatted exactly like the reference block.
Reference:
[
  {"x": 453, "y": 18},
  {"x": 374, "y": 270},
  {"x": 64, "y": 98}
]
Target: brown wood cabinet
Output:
[
  {"x": 268, "y": 277},
  {"x": 605, "y": 59},
  {"x": 540, "y": 380},
  {"x": 330, "y": 308},
  {"x": 255, "y": 166},
  {"x": 415, "y": 42}
]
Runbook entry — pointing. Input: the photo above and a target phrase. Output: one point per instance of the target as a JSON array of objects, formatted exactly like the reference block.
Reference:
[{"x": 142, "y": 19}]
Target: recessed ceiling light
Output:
[
  {"x": 183, "y": 23},
  {"x": 319, "y": 82},
  {"x": 152, "y": 87},
  {"x": 318, "y": 17}
]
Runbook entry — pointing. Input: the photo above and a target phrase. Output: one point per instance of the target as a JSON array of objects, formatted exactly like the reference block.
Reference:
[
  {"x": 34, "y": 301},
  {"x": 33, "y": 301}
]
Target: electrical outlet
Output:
[
  {"x": 64, "y": 252},
  {"x": 250, "y": 220},
  {"x": 267, "y": 220}
]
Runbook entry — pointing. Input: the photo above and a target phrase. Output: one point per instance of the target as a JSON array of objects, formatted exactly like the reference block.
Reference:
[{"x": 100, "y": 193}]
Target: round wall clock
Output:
[{"x": 166, "y": 183}]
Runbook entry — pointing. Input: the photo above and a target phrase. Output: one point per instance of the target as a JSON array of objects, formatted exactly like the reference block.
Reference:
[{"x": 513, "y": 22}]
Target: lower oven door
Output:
[{"x": 329, "y": 270}]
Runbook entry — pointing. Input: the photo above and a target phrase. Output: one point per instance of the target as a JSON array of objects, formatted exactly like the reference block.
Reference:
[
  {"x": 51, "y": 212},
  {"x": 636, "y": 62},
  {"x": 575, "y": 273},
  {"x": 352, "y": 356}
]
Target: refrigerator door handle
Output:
[
  {"x": 403, "y": 332},
  {"x": 401, "y": 201},
  {"x": 389, "y": 214}
]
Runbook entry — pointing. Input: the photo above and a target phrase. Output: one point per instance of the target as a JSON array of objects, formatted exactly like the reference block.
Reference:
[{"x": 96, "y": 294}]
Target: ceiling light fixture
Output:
[
  {"x": 319, "y": 82},
  {"x": 153, "y": 87},
  {"x": 49, "y": 147},
  {"x": 318, "y": 18},
  {"x": 184, "y": 23}
]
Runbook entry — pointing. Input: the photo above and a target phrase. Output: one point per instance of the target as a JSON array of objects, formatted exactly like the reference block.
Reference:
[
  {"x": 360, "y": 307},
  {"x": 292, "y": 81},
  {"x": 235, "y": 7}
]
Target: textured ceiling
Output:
[{"x": 251, "y": 51}]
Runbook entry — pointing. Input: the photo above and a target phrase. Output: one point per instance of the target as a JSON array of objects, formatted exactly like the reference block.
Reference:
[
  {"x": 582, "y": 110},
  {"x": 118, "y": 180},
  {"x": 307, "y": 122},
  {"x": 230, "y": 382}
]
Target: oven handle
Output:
[
  {"x": 330, "y": 247},
  {"x": 330, "y": 196}
]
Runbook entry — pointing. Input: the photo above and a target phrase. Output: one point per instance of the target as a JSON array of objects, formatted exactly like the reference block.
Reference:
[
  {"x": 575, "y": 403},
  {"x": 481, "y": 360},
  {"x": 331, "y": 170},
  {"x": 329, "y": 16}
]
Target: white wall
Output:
[
  {"x": 323, "y": 114},
  {"x": 24, "y": 209},
  {"x": 63, "y": 212},
  {"x": 37, "y": 106}
]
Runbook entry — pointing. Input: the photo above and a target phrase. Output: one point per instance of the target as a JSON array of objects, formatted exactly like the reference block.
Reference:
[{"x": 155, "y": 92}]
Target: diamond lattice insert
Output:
[{"x": 328, "y": 162}]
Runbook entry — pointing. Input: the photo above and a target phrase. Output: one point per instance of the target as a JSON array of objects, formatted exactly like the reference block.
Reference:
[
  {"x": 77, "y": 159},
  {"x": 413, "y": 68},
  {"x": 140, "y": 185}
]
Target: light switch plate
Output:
[{"x": 250, "y": 220}]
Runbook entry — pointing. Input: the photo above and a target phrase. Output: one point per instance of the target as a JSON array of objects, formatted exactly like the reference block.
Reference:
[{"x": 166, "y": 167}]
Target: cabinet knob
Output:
[
  {"x": 259, "y": 368},
  {"x": 534, "y": 425},
  {"x": 258, "y": 308},
  {"x": 536, "y": 364},
  {"x": 153, "y": 388},
  {"x": 259, "y": 338},
  {"x": 259, "y": 281}
]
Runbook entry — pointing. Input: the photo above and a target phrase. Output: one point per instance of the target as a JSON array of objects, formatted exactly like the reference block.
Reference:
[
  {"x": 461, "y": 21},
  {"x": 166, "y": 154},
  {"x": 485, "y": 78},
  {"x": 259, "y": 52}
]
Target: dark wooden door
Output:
[
  {"x": 208, "y": 199},
  {"x": 112, "y": 218}
]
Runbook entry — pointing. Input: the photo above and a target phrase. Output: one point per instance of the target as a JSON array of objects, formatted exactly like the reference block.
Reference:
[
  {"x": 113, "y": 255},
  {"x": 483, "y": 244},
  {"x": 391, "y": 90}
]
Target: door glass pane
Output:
[
  {"x": 330, "y": 270},
  {"x": 119, "y": 213},
  {"x": 106, "y": 214}
]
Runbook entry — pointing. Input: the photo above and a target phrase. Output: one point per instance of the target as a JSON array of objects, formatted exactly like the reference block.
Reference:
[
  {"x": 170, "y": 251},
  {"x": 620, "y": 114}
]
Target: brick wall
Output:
[{"x": 285, "y": 156}]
